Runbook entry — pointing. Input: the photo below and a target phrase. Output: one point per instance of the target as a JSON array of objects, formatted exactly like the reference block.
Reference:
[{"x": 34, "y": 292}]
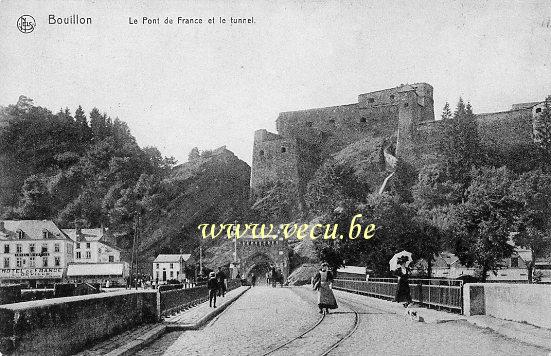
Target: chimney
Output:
[{"x": 78, "y": 228}]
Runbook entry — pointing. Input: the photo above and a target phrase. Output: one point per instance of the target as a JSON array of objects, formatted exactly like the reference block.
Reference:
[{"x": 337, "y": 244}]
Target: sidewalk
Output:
[
  {"x": 523, "y": 332},
  {"x": 133, "y": 340}
]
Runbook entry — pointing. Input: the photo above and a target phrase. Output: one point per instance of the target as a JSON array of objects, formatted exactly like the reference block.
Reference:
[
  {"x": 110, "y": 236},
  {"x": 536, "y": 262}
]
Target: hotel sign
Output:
[{"x": 30, "y": 273}]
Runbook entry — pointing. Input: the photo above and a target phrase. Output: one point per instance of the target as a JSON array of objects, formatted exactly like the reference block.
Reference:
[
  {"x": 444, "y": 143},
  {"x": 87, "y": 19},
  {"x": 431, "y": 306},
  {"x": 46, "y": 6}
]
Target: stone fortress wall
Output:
[{"x": 306, "y": 137}]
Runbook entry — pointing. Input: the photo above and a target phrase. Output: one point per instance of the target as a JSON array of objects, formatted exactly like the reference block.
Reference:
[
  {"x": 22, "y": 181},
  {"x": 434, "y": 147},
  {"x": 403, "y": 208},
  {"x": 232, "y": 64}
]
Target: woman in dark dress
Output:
[
  {"x": 403, "y": 293},
  {"x": 322, "y": 283}
]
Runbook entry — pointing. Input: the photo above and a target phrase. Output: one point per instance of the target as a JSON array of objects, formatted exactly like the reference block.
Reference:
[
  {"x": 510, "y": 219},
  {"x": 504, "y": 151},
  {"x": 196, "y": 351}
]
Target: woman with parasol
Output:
[
  {"x": 400, "y": 265},
  {"x": 322, "y": 283}
]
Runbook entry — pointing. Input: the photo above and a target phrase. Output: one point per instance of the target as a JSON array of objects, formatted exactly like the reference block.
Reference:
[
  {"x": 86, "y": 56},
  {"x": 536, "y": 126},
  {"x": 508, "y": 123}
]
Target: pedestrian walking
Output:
[
  {"x": 212, "y": 285},
  {"x": 322, "y": 283},
  {"x": 400, "y": 265},
  {"x": 253, "y": 280},
  {"x": 273, "y": 277},
  {"x": 221, "y": 277}
]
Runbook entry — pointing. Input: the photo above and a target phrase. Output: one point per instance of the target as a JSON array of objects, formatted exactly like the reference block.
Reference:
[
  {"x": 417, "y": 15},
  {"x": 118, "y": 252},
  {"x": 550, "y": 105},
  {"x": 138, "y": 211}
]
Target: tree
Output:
[
  {"x": 194, "y": 154},
  {"x": 332, "y": 183},
  {"x": 85, "y": 133},
  {"x": 459, "y": 143},
  {"x": 36, "y": 201},
  {"x": 533, "y": 191},
  {"x": 481, "y": 226},
  {"x": 435, "y": 188},
  {"x": 542, "y": 133},
  {"x": 446, "y": 112}
]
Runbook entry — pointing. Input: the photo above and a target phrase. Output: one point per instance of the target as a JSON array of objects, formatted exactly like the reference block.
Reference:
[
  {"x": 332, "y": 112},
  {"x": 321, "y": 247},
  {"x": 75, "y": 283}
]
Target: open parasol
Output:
[{"x": 400, "y": 258}]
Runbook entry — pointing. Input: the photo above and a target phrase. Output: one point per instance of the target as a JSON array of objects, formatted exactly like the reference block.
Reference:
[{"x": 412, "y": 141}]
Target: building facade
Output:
[
  {"x": 33, "y": 252},
  {"x": 93, "y": 245},
  {"x": 172, "y": 267}
]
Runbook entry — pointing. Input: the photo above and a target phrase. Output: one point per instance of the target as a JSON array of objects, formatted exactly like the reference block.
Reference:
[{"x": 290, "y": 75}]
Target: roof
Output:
[
  {"x": 88, "y": 235},
  {"x": 352, "y": 270},
  {"x": 95, "y": 269},
  {"x": 91, "y": 235},
  {"x": 32, "y": 229},
  {"x": 172, "y": 258}
]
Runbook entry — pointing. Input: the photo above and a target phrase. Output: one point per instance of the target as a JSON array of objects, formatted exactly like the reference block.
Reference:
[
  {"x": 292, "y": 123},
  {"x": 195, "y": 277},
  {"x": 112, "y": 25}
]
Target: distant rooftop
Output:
[
  {"x": 32, "y": 230},
  {"x": 172, "y": 258}
]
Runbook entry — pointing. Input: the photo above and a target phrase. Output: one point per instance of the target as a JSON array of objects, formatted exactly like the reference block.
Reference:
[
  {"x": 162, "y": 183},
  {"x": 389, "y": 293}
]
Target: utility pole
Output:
[{"x": 201, "y": 259}]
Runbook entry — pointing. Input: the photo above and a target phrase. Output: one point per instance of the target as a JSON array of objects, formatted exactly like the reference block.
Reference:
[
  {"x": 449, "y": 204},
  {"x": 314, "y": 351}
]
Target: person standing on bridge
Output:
[
  {"x": 322, "y": 283},
  {"x": 212, "y": 285},
  {"x": 403, "y": 293},
  {"x": 221, "y": 277}
]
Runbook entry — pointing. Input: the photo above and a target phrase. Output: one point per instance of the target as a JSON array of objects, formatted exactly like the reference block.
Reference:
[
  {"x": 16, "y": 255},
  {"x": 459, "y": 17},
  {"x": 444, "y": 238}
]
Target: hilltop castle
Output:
[{"x": 402, "y": 116}]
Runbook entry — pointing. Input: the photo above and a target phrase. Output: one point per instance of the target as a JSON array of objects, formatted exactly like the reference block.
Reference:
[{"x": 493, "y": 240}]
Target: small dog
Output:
[{"x": 413, "y": 315}]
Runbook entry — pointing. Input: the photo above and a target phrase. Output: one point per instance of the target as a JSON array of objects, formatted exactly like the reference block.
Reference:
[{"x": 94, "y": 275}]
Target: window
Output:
[
  {"x": 88, "y": 255},
  {"x": 171, "y": 274},
  {"x": 363, "y": 119},
  {"x": 31, "y": 248},
  {"x": 538, "y": 110},
  {"x": 6, "y": 262},
  {"x": 32, "y": 261},
  {"x": 45, "y": 234},
  {"x": 45, "y": 261},
  {"x": 157, "y": 266},
  {"x": 18, "y": 248},
  {"x": 157, "y": 274},
  {"x": 20, "y": 234},
  {"x": 19, "y": 262},
  {"x": 514, "y": 262},
  {"x": 171, "y": 265},
  {"x": 78, "y": 245},
  {"x": 44, "y": 248},
  {"x": 6, "y": 248},
  {"x": 79, "y": 256},
  {"x": 111, "y": 258},
  {"x": 87, "y": 245},
  {"x": 56, "y": 248},
  {"x": 309, "y": 123},
  {"x": 283, "y": 150},
  {"x": 370, "y": 100},
  {"x": 57, "y": 261}
]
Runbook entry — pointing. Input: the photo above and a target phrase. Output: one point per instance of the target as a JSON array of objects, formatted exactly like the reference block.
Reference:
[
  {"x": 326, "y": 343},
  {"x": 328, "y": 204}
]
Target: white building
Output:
[
  {"x": 33, "y": 252},
  {"x": 168, "y": 267},
  {"x": 93, "y": 245},
  {"x": 97, "y": 259}
]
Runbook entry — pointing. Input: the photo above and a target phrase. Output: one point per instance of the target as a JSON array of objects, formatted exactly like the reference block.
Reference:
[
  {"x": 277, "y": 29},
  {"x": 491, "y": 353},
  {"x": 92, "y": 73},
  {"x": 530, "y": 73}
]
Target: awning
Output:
[{"x": 95, "y": 269}]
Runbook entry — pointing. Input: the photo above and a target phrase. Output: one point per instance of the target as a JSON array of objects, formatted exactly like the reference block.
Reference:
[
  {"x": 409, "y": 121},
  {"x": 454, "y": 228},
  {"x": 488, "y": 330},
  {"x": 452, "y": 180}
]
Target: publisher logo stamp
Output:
[{"x": 26, "y": 24}]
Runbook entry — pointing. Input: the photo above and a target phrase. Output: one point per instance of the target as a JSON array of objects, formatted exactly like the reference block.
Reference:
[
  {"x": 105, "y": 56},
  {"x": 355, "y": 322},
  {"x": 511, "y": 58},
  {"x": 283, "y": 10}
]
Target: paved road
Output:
[{"x": 264, "y": 318}]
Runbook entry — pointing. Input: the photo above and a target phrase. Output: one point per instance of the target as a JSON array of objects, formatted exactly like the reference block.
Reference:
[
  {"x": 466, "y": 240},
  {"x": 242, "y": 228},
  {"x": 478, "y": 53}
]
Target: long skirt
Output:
[
  {"x": 326, "y": 298},
  {"x": 403, "y": 293}
]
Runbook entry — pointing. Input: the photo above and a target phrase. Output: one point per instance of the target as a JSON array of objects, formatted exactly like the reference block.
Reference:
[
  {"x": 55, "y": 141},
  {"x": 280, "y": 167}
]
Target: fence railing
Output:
[
  {"x": 175, "y": 300},
  {"x": 436, "y": 293}
]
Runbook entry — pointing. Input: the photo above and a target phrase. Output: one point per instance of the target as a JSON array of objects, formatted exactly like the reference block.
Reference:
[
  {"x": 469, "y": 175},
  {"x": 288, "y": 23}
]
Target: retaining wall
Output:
[
  {"x": 64, "y": 326},
  {"x": 530, "y": 303}
]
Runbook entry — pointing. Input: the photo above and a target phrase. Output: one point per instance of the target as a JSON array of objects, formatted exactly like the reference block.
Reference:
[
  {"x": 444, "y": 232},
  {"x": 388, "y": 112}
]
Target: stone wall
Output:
[
  {"x": 66, "y": 325},
  {"x": 503, "y": 131},
  {"x": 530, "y": 303}
]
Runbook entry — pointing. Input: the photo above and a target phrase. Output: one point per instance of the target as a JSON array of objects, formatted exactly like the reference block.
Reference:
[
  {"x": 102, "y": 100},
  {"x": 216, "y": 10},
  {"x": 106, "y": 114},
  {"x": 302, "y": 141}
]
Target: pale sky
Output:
[{"x": 180, "y": 86}]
